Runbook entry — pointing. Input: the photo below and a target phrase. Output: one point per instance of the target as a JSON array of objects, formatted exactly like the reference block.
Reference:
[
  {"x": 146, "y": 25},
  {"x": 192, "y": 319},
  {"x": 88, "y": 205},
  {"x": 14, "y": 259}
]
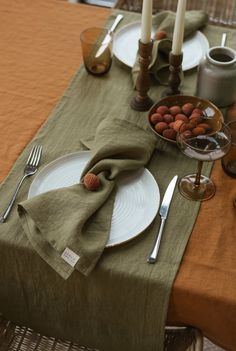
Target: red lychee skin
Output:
[
  {"x": 187, "y": 108},
  {"x": 199, "y": 131},
  {"x": 198, "y": 110},
  {"x": 194, "y": 115},
  {"x": 162, "y": 110},
  {"x": 181, "y": 117},
  {"x": 174, "y": 110},
  {"x": 168, "y": 118},
  {"x": 177, "y": 124},
  {"x": 187, "y": 134},
  {"x": 159, "y": 127},
  {"x": 156, "y": 117},
  {"x": 160, "y": 35},
  {"x": 169, "y": 134},
  {"x": 91, "y": 181},
  {"x": 195, "y": 120}
]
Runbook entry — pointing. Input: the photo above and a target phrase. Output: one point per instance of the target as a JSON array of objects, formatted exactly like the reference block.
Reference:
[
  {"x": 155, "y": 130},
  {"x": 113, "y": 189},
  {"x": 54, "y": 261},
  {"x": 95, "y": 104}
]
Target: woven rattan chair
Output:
[
  {"x": 221, "y": 12},
  {"x": 18, "y": 338}
]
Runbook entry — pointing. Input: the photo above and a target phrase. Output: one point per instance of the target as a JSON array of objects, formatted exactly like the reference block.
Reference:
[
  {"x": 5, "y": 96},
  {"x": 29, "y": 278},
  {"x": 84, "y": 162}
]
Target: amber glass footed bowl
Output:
[{"x": 168, "y": 114}]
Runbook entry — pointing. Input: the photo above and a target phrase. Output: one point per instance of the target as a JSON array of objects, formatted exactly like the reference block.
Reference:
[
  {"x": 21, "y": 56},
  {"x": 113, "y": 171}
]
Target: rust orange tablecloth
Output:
[
  {"x": 32, "y": 81},
  {"x": 204, "y": 292}
]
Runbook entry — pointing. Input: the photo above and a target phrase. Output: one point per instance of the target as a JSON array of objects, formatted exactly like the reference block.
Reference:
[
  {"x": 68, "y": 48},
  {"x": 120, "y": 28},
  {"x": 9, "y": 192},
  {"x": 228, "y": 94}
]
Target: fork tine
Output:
[
  {"x": 35, "y": 155},
  {"x": 31, "y": 154},
  {"x": 32, "y": 160},
  {"x": 30, "y": 169},
  {"x": 39, "y": 153}
]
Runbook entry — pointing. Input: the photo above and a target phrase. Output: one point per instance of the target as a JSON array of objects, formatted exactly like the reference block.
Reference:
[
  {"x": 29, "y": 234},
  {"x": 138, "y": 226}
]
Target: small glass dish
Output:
[{"x": 181, "y": 108}]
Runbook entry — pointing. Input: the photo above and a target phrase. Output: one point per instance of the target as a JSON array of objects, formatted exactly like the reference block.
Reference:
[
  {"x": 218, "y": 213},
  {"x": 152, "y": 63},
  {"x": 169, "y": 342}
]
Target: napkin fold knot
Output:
[
  {"x": 69, "y": 227},
  {"x": 164, "y": 21}
]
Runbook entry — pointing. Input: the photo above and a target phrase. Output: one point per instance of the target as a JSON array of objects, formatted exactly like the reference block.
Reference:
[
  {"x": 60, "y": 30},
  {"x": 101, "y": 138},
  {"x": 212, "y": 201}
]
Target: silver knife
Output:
[
  {"x": 107, "y": 38},
  {"x": 163, "y": 212}
]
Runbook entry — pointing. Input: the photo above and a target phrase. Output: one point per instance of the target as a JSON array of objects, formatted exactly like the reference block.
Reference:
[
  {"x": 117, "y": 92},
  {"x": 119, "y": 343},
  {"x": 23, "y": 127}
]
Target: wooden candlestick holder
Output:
[
  {"x": 175, "y": 74},
  {"x": 142, "y": 102}
]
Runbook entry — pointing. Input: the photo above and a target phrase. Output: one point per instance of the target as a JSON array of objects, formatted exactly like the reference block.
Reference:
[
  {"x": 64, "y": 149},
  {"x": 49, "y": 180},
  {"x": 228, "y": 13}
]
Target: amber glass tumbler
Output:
[{"x": 97, "y": 50}]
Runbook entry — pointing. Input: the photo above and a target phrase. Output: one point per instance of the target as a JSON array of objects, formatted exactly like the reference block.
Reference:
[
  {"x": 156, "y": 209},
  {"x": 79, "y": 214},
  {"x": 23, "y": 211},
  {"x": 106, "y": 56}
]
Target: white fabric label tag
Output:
[{"x": 70, "y": 257}]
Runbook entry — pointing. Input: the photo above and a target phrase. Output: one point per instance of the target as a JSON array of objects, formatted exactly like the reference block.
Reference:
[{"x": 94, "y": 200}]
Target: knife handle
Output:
[
  {"x": 153, "y": 256},
  {"x": 117, "y": 20}
]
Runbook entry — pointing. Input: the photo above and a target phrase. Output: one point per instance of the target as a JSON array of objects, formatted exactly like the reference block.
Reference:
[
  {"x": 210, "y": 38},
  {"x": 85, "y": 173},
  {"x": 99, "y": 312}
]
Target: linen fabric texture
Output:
[
  {"x": 122, "y": 304},
  {"x": 77, "y": 218}
]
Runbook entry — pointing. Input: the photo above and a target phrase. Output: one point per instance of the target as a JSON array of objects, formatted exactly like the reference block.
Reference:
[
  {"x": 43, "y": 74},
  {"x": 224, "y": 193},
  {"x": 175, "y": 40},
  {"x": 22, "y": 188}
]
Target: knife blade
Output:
[
  {"x": 107, "y": 39},
  {"x": 163, "y": 212}
]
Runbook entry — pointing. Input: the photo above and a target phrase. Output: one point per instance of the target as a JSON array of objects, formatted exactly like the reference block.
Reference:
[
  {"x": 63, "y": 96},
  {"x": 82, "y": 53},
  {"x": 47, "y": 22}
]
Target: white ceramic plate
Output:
[
  {"x": 137, "y": 199},
  {"x": 126, "y": 39}
]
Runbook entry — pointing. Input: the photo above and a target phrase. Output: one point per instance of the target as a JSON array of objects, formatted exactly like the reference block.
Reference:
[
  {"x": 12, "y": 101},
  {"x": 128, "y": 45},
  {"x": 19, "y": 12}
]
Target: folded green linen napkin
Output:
[
  {"x": 164, "y": 21},
  {"x": 69, "y": 227}
]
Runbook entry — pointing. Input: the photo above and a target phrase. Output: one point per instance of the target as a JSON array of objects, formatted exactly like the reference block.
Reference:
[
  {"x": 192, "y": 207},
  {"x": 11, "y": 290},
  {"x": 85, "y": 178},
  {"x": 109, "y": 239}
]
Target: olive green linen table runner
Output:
[{"x": 122, "y": 304}]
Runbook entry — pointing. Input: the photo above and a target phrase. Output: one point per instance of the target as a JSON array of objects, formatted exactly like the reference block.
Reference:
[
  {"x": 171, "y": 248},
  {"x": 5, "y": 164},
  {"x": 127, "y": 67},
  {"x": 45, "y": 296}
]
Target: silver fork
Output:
[{"x": 30, "y": 169}]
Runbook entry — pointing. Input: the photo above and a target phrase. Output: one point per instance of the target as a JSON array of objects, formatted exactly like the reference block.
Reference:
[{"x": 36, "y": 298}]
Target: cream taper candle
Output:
[
  {"x": 178, "y": 35},
  {"x": 146, "y": 26}
]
